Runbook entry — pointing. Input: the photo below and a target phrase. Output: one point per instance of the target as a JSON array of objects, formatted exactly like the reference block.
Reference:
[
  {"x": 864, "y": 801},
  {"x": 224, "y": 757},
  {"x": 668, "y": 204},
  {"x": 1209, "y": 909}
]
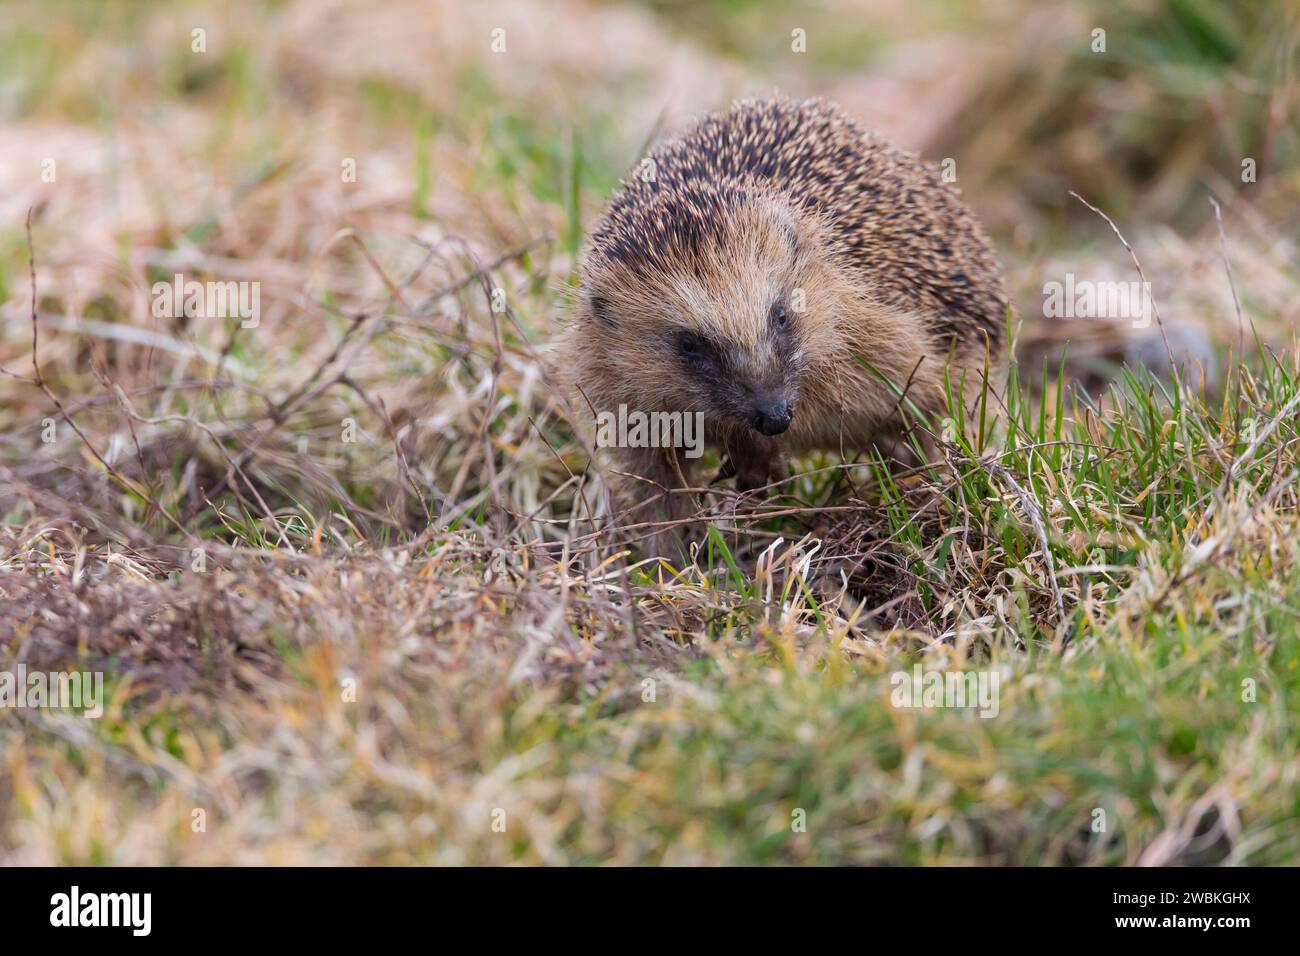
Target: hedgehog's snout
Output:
[{"x": 771, "y": 414}]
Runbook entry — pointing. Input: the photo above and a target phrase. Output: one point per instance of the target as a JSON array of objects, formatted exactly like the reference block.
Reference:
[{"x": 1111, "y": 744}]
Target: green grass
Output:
[
  {"x": 1156, "y": 722},
  {"x": 1128, "y": 565}
]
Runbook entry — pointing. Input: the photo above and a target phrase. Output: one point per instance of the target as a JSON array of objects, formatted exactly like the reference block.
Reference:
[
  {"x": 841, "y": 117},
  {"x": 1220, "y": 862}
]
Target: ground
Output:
[{"x": 350, "y": 576}]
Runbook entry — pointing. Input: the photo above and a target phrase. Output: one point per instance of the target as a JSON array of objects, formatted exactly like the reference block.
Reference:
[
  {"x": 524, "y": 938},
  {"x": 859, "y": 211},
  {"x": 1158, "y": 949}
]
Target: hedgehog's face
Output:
[
  {"x": 720, "y": 325},
  {"x": 752, "y": 381}
]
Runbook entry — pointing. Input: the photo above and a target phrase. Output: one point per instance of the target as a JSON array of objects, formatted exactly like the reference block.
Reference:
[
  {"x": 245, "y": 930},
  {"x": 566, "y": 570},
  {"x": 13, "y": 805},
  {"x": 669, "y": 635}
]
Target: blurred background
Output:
[
  {"x": 160, "y": 146},
  {"x": 378, "y": 169}
]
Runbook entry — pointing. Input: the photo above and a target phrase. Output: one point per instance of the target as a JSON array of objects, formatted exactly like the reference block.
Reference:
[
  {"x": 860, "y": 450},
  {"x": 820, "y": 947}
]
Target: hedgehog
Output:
[{"x": 789, "y": 278}]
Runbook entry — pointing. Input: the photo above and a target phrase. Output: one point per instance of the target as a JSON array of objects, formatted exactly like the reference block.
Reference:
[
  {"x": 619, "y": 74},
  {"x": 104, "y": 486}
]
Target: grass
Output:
[
  {"x": 1166, "y": 698},
  {"x": 353, "y": 580}
]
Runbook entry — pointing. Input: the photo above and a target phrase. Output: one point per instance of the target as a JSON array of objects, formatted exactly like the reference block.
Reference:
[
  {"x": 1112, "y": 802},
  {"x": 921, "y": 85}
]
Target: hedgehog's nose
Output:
[{"x": 772, "y": 415}]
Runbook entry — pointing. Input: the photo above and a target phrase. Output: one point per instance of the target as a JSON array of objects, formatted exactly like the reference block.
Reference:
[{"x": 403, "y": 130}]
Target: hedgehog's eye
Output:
[
  {"x": 780, "y": 316},
  {"x": 690, "y": 345}
]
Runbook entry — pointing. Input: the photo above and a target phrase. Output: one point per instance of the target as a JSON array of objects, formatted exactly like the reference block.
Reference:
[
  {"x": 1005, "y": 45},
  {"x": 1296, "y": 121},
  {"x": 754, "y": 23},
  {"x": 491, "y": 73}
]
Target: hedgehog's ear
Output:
[{"x": 601, "y": 309}]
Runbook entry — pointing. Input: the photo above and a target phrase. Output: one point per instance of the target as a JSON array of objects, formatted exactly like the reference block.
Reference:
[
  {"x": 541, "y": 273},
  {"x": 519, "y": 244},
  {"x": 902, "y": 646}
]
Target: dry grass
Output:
[{"x": 349, "y": 651}]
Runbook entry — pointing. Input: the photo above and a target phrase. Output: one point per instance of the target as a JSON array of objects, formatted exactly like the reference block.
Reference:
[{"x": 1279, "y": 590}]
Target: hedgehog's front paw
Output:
[
  {"x": 756, "y": 480},
  {"x": 755, "y": 465}
]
